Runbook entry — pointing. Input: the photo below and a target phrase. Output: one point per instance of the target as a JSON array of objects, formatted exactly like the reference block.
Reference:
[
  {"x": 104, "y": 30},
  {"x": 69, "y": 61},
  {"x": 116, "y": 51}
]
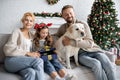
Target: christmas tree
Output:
[{"x": 103, "y": 23}]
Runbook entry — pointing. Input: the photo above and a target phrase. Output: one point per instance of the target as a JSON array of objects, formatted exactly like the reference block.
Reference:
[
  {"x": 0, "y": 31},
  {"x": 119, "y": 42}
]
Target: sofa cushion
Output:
[
  {"x": 8, "y": 76},
  {"x": 3, "y": 40},
  {"x": 4, "y": 75}
]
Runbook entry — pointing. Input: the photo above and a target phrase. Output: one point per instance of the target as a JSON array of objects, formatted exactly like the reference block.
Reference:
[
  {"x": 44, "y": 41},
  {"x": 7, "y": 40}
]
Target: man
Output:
[{"x": 90, "y": 54}]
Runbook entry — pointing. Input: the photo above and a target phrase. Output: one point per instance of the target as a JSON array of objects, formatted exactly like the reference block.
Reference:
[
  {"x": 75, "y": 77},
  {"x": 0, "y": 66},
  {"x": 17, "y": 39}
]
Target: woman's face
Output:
[
  {"x": 43, "y": 33},
  {"x": 28, "y": 22},
  {"x": 68, "y": 15}
]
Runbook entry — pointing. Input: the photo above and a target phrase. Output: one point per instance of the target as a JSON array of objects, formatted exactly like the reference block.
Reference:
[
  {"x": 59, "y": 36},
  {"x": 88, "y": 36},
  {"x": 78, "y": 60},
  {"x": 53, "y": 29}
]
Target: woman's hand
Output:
[{"x": 33, "y": 54}]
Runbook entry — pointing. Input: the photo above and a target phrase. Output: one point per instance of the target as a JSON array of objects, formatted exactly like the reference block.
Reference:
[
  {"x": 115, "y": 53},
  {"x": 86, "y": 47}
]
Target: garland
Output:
[
  {"x": 44, "y": 14},
  {"x": 51, "y": 2}
]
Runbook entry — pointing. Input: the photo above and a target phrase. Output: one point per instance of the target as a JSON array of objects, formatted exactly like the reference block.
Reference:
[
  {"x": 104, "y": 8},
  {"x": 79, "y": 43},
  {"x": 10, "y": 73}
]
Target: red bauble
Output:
[
  {"x": 107, "y": 12},
  {"x": 113, "y": 42}
]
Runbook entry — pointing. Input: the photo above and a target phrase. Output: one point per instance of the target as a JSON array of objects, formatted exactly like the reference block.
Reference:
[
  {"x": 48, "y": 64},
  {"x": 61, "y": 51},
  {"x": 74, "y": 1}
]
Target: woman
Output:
[{"x": 19, "y": 57}]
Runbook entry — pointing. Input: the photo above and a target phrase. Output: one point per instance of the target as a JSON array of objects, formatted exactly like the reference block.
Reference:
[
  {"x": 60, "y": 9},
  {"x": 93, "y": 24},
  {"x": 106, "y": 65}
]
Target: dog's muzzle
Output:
[{"x": 82, "y": 34}]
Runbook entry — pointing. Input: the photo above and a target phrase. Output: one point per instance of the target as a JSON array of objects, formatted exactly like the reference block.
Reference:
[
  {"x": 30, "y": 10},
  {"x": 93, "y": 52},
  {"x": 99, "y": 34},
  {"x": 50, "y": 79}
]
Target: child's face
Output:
[{"x": 43, "y": 33}]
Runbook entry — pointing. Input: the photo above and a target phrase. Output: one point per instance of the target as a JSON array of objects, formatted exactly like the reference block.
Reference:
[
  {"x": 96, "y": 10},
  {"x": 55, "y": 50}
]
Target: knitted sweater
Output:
[{"x": 16, "y": 45}]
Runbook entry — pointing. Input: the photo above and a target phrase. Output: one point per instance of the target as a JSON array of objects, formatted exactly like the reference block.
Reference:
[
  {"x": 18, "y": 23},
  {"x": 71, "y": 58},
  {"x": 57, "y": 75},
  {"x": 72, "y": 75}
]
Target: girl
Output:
[
  {"x": 42, "y": 39},
  {"x": 19, "y": 57}
]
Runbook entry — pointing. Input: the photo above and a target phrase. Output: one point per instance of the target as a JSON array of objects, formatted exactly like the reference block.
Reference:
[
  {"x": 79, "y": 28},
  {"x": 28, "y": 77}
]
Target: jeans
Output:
[
  {"x": 52, "y": 65},
  {"x": 28, "y": 67},
  {"x": 99, "y": 63}
]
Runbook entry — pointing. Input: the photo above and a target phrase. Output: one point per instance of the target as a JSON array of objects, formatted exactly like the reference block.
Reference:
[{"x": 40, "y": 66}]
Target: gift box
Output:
[
  {"x": 48, "y": 54},
  {"x": 116, "y": 52},
  {"x": 117, "y": 62}
]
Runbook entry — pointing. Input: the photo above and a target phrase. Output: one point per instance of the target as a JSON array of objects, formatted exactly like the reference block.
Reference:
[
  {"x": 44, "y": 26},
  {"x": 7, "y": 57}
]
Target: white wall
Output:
[{"x": 11, "y": 11}]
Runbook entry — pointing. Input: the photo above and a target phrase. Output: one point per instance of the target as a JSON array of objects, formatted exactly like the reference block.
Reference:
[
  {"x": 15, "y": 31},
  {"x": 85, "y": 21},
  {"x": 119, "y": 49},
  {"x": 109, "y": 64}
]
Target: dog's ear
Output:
[{"x": 70, "y": 29}]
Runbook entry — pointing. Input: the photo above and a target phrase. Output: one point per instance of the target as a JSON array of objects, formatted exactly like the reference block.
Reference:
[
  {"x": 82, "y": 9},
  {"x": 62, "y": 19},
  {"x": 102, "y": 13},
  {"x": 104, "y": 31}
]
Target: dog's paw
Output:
[
  {"x": 68, "y": 67},
  {"x": 70, "y": 77},
  {"x": 77, "y": 64}
]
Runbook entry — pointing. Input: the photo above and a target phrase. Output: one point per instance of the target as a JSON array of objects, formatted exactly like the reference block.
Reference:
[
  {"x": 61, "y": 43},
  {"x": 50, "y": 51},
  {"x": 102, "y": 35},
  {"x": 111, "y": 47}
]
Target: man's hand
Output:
[{"x": 66, "y": 41}]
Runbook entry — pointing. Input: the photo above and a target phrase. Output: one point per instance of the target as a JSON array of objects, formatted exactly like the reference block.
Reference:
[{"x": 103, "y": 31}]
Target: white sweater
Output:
[{"x": 16, "y": 45}]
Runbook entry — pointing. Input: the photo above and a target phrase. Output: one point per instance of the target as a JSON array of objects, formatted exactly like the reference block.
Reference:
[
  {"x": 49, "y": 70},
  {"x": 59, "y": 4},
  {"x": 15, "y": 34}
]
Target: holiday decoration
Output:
[
  {"x": 116, "y": 51},
  {"x": 103, "y": 23},
  {"x": 51, "y": 2},
  {"x": 41, "y": 25},
  {"x": 118, "y": 55},
  {"x": 45, "y": 14},
  {"x": 48, "y": 53},
  {"x": 117, "y": 62}
]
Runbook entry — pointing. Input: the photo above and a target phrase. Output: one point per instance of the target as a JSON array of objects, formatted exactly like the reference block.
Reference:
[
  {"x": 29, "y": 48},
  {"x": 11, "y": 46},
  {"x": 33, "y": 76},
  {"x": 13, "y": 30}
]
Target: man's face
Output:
[{"x": 68, "y": 15}]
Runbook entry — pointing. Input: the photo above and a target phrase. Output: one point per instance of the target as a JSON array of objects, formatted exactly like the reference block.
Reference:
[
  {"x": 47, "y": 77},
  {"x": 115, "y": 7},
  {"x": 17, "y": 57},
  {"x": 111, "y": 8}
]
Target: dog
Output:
[{"x": 77, "y": 32}]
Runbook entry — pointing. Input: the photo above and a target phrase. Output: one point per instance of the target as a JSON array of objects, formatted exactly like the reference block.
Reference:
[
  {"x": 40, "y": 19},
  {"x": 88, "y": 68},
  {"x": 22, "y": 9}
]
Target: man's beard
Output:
[{"x": 70, "y": 21}]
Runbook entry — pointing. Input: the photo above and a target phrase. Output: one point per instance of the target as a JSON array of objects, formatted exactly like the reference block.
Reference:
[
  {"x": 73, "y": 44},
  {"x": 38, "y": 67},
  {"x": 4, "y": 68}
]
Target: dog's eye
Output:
[{"x": 77, "y": 29}]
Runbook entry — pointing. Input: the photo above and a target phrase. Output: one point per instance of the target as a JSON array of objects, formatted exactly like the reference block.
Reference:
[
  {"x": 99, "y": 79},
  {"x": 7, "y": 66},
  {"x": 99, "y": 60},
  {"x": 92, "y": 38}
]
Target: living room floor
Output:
[
  {"x": 118, "y": 72},
  {"x": 82, "y": 73}
]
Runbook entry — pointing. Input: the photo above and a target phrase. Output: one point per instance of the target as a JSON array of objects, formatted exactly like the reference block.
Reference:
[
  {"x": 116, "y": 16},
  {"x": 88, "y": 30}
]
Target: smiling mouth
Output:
[{"x": 28, "y": 25}]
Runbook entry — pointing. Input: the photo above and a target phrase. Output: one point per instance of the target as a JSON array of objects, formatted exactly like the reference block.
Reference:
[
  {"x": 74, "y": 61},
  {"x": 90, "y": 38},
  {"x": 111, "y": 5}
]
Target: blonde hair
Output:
[{"x": 28, "y": 14}]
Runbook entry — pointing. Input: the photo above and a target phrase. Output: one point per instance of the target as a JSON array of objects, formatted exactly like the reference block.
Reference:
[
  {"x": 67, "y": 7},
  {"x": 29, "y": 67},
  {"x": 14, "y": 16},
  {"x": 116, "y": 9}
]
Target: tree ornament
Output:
[
  {"x": 118, "y": 33},
  {"x": 112, "y": 28},
  {"x": 105, "y": 46},
  {"x": 92, "y": 28},
  {"x": 113, "y": 41},
  {"x": 103, "y": 19},
  {"x": 107, "y": 12},
  {"x": 111, "y": 33}
]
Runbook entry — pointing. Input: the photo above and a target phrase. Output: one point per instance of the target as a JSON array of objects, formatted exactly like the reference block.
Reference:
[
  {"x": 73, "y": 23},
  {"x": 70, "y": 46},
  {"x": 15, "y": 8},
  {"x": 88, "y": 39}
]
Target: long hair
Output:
[{"x": 48, "y": 39}]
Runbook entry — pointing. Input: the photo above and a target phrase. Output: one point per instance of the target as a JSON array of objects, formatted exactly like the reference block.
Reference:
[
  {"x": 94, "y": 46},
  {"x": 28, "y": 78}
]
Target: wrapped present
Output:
[
  {"x": 117, "y": 62},
  {"x": 48, "y": 53},
  {"x": 113, "y": 50},
  {"x": 116, "y": 51},
  {"x": 113, "y": 55}
]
